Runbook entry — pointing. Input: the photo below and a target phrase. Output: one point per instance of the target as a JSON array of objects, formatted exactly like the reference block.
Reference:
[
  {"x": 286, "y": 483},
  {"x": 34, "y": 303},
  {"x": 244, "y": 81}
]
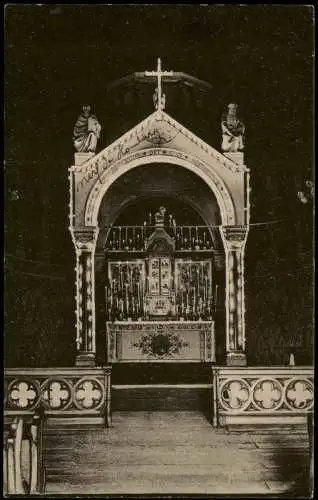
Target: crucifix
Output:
[{"x": 159, "y": 97}]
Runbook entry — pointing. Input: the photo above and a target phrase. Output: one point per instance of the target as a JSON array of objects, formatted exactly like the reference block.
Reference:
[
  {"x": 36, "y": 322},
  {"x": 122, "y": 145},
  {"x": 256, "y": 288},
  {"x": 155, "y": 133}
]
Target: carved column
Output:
[
  {"x": 234, "y": 239},
  {"x": 84, "y": 239}
]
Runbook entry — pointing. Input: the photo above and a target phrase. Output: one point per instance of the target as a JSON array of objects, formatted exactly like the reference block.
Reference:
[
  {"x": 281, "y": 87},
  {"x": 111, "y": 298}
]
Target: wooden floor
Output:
[{"x": 174, "y": 453}]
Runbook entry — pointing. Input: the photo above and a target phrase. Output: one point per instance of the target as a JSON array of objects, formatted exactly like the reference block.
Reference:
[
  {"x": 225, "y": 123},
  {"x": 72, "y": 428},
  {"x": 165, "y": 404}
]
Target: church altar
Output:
[{"x": 160, "y": 341}]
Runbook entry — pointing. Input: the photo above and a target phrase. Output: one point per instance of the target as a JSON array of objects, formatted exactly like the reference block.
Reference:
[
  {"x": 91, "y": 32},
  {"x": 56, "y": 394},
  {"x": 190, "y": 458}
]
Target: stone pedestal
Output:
[
  {"x": 236, "y": 359},
  {"x": 80, "y": 158},
  {"x": 237, "y": 157},
  {"x": 85, "y": 359}
]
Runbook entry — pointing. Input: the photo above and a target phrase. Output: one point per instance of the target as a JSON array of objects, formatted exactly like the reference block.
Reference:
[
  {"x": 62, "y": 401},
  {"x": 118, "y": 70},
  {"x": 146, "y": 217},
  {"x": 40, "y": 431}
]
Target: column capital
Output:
[
  {"x": 85, "y": 237},
  {"x": 234, "y": 237}
]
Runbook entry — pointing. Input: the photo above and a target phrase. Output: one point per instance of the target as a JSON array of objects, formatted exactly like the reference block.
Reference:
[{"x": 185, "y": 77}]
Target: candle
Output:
[
  {"x": 138, "y": 296},
  {"x": 127, "y": 298},
  {"x": 149, "y": 219},
  {"x": 204, "y": 238},
  {"x": 119, "y": 237},
  {"x": 196, "y": 233}
]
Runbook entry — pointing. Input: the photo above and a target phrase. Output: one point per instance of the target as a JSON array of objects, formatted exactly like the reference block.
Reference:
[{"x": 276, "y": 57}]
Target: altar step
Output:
[
  {"x": 162, "y": 397},
  {"x": 173, "y": 453}
]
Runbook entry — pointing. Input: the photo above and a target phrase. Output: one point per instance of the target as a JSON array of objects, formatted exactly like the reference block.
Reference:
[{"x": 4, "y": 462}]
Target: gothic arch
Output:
[{"x": 154, "y": 156}]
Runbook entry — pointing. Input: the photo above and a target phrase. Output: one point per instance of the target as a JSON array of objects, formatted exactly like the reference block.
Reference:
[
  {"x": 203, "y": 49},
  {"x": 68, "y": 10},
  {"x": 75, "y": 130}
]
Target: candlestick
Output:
[
  {"x": 120, "y": 278},
  {"x": 138, "y": 297},
  {"x": 111, "y": 294},
  {"x": 174, "y": 226}
]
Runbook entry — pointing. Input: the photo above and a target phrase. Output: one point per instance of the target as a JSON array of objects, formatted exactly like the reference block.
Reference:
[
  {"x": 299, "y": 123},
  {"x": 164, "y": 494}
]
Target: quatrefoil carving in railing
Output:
[
  {"x": 56, "y": 394},
  {"x": 88, "y": 394},
  {"x": 267, "y": 394},
  {"x": 235, "y": 395},
  {"x": 23, "y": 394},
  {"x": 299, "y": 395}
]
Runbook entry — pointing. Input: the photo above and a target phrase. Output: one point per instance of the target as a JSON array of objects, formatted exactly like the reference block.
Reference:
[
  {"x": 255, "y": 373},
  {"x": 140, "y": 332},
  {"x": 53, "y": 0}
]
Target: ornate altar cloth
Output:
[{"x": 155, "y": 341}]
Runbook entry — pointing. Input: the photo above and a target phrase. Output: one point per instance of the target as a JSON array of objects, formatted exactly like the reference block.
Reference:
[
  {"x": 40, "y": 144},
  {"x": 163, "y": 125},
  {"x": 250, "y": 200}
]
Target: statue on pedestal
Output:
[
  {"x": 232, "y": 130},
  {"x": 86, "y": 132}
]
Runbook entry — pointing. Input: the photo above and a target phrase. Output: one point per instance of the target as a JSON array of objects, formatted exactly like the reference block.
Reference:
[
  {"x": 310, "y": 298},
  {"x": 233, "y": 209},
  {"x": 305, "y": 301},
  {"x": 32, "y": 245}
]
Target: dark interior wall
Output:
[{"x": 39, "y": 319}]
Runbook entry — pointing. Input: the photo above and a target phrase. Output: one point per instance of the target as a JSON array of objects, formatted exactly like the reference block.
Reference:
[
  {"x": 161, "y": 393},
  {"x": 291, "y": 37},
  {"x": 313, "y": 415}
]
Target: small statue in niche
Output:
[
  {"x": 160, "y": 217},
  {"x": 86, "y": 131},
  {"x": 232, "y": 130}
]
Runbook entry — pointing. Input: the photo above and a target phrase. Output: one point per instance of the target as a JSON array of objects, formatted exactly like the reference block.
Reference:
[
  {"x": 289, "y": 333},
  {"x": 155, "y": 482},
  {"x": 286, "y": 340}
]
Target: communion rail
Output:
[
  {"x": 73, "y": 394},
  {"x": 262, "y": 395},
  {"x": 135, "y": 238},
  {"x": 23, "y": 469}
]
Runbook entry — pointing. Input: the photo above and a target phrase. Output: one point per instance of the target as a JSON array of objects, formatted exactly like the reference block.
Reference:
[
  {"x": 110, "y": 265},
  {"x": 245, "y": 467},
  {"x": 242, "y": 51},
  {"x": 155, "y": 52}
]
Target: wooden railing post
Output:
[
  {"x": 13, "y": 458},
  {"x": 10, "y": 465},
  {"x": 36, "y": 453},
  {"x": 311, "y": 422},
  {"x": 215, "y": 420},
  {"x": 107, "y": 382},
  {"x": 17, "y": 457}
]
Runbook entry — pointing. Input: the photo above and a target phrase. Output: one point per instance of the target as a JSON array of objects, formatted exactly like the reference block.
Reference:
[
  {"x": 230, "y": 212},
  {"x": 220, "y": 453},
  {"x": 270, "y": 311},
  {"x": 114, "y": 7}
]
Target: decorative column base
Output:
[
  {"x": 85, "y": 359},
  {"x": 236, "y": 359}
]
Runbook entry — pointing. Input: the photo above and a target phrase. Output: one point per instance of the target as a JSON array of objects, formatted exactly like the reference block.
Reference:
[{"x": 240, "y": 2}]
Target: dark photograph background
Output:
[{"x": 58, "y": 58}]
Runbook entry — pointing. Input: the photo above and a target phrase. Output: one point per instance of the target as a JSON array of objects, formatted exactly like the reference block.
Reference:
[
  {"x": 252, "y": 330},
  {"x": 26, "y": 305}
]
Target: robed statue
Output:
[
  {"x": 232, "y": 130},
  {"x": 86, "y": 131}
]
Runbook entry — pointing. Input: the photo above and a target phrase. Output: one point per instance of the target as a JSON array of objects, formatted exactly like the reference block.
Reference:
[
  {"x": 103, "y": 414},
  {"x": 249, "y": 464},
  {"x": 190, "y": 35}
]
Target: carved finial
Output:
[
  {"x": 86, "y": 131},
  {"x": 232, "y": 130}
]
